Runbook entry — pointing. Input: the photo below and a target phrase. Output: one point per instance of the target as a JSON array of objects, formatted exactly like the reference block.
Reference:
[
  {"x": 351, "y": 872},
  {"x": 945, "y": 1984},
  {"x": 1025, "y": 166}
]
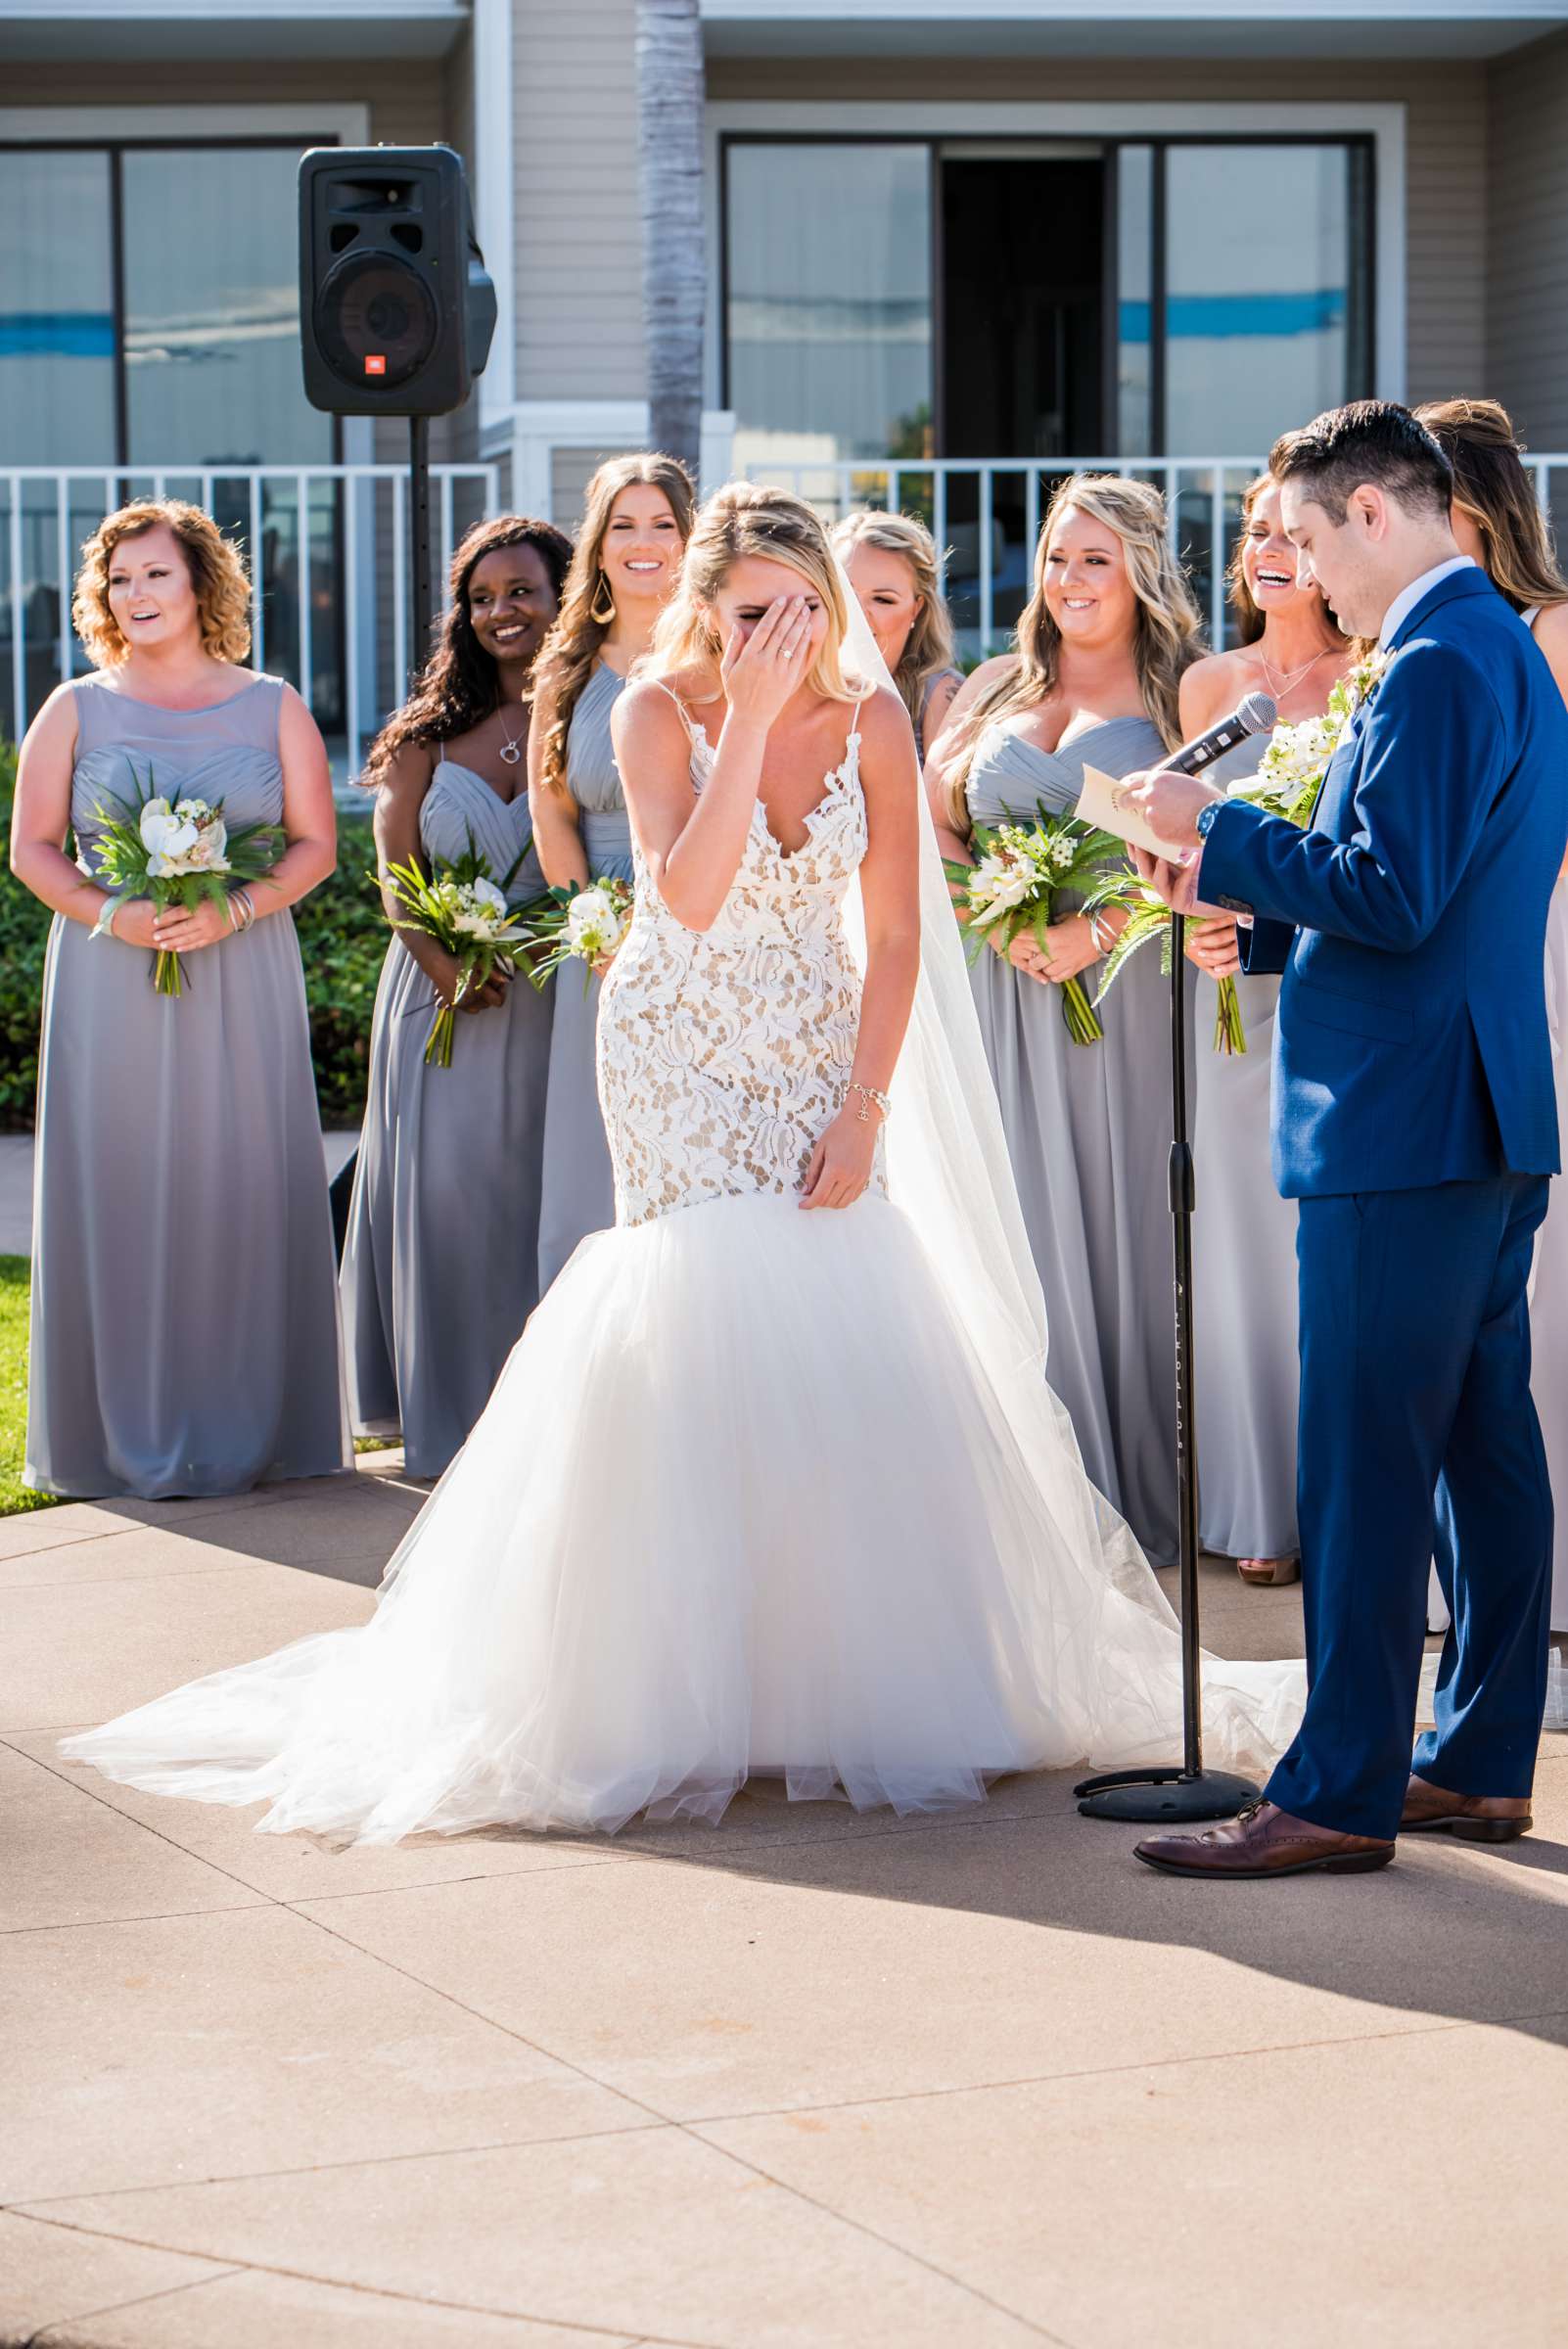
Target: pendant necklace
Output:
[
  {"x": 1277, "y": 690},
  {"x": 513, "y": 750}
]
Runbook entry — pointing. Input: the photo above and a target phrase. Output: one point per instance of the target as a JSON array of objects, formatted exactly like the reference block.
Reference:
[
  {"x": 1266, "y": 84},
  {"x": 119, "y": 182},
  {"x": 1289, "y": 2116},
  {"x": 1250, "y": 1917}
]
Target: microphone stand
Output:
[{"x": 1159, "y": 1795}]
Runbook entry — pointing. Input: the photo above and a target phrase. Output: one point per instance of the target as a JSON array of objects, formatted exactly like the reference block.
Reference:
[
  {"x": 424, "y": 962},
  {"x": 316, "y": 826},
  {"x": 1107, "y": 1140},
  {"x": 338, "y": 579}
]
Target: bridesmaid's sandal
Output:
[{"x": 1262, "y": 1574}]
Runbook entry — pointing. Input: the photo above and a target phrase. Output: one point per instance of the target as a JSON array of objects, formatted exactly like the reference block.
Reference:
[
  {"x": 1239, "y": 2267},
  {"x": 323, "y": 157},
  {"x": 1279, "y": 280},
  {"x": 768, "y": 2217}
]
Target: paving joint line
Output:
[
  {"x": 139, "y": 1524},
  {"x": 154, "y": 1916},
  {"x": 838, "y": 2217},
  {"x": 372, "y": 2292},
  {"x": 84, "y": 1786},
  {"x": 34, "y": 2207},
  {"x": 1152, "y": 2063},
  {"x": 114, "y": 2308}
]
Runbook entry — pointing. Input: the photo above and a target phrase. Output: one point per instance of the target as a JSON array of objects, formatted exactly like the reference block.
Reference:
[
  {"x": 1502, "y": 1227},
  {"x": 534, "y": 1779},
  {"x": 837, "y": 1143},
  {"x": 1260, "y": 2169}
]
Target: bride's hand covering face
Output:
[{"x": 771, "y": 626}]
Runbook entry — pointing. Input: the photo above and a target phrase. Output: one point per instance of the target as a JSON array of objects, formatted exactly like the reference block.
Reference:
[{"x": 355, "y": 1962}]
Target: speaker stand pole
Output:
[
  {"x": 1161, "y": 1796},
  {"x": 418, "y": 543}
]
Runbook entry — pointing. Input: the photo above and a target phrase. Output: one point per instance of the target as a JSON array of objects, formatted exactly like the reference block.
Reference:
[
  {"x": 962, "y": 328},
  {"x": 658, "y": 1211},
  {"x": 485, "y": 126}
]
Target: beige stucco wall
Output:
[
  {"x": 1445, "y": 154},
  {"x": 1527, "y": 243}
]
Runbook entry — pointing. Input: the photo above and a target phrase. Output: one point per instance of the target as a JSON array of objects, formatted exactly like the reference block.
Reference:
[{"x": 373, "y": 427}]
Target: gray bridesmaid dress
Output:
[
  {"x": 578, "y": 1187},
  {"x": 184, "y": 1302},
  {"x": 1247, "y": 1367},
  {"x": 441, "y": 1260},
  {"x": 1088, "y": 1130}
]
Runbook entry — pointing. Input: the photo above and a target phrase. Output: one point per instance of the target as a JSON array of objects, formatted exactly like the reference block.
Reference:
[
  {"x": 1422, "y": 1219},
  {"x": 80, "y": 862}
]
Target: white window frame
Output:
[{"x": 1098, "y": 119}]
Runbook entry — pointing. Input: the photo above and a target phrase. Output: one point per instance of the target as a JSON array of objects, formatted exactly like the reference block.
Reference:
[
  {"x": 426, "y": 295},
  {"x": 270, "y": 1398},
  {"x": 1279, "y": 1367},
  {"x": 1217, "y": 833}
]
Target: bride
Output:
[{"x": 772, "y": 1482}]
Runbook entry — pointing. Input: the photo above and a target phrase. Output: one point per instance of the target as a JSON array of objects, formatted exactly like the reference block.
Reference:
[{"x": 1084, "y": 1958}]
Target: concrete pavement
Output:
[{"x": 811, "y": 2081}]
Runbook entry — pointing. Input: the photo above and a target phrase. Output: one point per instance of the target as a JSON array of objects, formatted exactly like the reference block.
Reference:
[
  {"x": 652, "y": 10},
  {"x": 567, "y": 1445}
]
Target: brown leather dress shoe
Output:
[
  {"x": 1264, "y": 1841},
  {"x": 1479, "y": 1818}
]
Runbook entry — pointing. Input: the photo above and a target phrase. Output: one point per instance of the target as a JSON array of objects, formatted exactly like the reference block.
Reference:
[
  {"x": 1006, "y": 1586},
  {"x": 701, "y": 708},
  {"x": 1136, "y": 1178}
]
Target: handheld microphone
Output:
[{"x": 1255, "y": 715}]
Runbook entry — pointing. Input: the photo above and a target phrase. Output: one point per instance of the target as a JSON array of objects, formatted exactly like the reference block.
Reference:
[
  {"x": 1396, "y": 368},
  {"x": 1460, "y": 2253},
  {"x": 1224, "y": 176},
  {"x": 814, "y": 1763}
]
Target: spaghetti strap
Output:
[{"x": 693, "y": 729}]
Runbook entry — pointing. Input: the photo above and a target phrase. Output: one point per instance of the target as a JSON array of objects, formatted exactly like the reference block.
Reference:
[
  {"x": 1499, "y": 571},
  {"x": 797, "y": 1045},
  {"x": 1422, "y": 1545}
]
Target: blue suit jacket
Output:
[{"x": 1410, "y": 920}]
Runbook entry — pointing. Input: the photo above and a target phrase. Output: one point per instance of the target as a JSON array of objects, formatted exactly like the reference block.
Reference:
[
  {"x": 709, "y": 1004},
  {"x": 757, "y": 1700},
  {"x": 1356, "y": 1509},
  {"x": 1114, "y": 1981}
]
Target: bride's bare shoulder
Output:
[
  {"x": 883, "y": 723},
  {"x": 651, "y": 717}
]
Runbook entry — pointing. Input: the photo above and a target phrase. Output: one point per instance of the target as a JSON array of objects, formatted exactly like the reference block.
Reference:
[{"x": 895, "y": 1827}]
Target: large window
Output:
[
  {"x": 829, "y": 300},
  {"x": 1143, "y": 298},
  {"x": 1265, "y": 290},
  {"x": 149, "y": 324},
  {"x": 149, "y": 309}
]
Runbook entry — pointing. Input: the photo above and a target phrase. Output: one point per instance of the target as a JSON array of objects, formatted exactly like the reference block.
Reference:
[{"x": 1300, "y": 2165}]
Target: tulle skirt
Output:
[{"x": 743, "y": 1501}]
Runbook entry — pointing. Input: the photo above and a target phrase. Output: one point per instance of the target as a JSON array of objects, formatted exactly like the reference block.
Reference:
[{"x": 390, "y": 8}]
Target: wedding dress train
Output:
[{"x": 758, "y": 1490}]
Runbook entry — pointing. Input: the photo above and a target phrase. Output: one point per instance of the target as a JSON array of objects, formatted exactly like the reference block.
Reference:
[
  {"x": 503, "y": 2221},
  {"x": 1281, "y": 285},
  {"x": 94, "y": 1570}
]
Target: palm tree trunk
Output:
[{"x": 670, "y": 94}]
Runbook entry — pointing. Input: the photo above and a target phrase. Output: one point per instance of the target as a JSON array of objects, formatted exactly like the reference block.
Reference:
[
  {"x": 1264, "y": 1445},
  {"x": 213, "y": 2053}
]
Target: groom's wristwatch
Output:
[{"x": 1204, "y": 826}]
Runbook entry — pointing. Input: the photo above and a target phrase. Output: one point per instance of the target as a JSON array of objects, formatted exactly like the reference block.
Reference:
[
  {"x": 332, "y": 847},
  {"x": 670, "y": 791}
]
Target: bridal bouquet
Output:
[
  {"x": 581, "y": 925},
  {"x": 1288, "y": 783},
  {"x": 177, "y": 855},
  {"x": 465, "y": 911},
  {"x": 1014, "y": 885}
]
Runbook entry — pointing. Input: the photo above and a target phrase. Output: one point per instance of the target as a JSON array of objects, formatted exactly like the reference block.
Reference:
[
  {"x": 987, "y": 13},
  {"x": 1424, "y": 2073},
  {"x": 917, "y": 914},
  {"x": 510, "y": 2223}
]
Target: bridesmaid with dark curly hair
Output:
[{"x": 440, "y": 1261}]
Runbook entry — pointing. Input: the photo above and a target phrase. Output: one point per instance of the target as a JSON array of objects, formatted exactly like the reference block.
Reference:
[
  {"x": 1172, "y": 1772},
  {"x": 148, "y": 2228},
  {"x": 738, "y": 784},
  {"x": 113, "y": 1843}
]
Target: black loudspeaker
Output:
[{"x": 397, "y": 310}]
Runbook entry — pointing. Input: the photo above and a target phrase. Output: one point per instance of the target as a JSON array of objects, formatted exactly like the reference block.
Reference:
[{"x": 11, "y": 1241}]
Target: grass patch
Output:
[{"x": 14, "y": 1283}]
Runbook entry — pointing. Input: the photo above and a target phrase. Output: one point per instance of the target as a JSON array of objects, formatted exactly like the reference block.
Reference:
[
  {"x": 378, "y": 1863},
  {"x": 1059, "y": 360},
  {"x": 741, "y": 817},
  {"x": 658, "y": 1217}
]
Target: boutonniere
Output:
[{"x": 1360, "y": 688}]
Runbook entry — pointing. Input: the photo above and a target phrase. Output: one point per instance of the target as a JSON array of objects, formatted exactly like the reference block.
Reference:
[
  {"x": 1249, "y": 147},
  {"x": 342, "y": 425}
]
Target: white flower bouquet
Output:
[
  {"x": 1014, "y": 885},
  {"x": 465, "y": 911},
  {"x": 1290, "y": 775},
  {"x": 177, "y": 855},
  {"x": 581, "y": 925}
]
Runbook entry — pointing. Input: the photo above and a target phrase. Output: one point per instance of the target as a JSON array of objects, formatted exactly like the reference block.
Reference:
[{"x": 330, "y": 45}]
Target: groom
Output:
[{"x": 1415, "y": 1120}]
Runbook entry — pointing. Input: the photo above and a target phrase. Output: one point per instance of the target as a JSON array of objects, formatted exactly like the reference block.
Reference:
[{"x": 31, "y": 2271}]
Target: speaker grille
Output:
[{"x": 376, "y": 320}]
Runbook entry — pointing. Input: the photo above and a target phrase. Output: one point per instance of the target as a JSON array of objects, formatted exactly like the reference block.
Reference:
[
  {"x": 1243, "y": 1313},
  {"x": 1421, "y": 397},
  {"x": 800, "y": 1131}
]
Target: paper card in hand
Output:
[{"x": 1103, "y": 803}]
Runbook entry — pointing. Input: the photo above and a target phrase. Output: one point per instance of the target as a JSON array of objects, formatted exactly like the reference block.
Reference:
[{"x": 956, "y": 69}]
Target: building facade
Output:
[{"x": 951, "y": 250}]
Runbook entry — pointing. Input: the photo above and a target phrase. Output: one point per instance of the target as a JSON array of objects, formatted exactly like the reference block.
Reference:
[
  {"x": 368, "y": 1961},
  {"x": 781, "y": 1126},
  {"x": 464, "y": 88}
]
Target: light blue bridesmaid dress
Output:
[
  {"x": 1246, "y": 1358},
  {"x": 578, "y": 1194},
  {"x": 1088, "y": 1128},
  {"x": 184, "y": 1304},
  {"x": 440, "y": 1261}
]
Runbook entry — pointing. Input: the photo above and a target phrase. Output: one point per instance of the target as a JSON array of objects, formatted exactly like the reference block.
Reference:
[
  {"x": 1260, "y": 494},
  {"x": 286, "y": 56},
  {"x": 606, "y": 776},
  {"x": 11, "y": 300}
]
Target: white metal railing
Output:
[
  {"x": 330, "y": 553},
  {"x": 328, "y": 546},
  {"x": 984, "y": 515}
]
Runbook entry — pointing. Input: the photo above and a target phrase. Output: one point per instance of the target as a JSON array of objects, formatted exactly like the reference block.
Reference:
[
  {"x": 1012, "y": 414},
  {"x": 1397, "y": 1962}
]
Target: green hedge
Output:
[{"x": 342, "y": 937}]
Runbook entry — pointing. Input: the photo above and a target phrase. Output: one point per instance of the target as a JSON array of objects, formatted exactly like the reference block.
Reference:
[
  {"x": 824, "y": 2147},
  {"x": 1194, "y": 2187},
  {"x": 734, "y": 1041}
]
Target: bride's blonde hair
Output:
[{"x": 750, "y": 518}]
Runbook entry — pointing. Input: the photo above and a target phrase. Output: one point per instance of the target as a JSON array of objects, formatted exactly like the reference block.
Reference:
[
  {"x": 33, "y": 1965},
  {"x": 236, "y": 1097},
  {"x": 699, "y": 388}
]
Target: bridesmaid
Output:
[
  {"x": 184, "y": 1307},
  {"x": 1497, "y": 521},
  {"x": 1244, "y": 1257},
  {"x": 894, "y": 568},
  {"x": 1099, "y": 653},
  {"x": 636, "y": 521},
  {"x": 440, "y": 1263}
]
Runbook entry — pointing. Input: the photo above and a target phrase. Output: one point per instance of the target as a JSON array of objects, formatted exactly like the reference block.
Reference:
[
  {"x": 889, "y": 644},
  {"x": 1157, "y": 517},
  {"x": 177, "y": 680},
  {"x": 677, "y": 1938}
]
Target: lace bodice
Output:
[{"x": 725, "y": 1054}]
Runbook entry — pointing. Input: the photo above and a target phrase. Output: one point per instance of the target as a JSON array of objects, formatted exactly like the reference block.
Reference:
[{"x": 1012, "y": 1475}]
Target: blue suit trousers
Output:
[{"x": 1415, "y": 1406}]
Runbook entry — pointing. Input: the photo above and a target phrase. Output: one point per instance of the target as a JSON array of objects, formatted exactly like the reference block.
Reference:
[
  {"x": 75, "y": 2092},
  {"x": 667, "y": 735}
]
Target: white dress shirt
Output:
[{"x": 1405, "y": 603}]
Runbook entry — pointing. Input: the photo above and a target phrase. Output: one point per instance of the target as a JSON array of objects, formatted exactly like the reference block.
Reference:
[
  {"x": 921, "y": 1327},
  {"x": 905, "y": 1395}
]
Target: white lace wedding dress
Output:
[{"x": 748, "y": 1495}]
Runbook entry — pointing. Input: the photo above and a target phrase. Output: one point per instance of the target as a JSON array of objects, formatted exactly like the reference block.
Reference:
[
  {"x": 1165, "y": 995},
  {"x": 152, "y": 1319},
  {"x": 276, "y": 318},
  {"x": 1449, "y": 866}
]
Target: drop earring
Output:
[{"x": 608, "y": 614}]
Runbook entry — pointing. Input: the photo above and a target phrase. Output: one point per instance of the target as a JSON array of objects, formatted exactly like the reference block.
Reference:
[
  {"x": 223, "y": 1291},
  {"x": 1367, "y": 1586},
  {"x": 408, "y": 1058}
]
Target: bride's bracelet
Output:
[{"x": 868, "y": 1093}]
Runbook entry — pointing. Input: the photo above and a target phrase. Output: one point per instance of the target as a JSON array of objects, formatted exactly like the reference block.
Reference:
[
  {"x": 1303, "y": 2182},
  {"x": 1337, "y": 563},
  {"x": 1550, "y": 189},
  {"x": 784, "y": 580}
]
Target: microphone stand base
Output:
[{"x": 1157, "y": 1798}]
